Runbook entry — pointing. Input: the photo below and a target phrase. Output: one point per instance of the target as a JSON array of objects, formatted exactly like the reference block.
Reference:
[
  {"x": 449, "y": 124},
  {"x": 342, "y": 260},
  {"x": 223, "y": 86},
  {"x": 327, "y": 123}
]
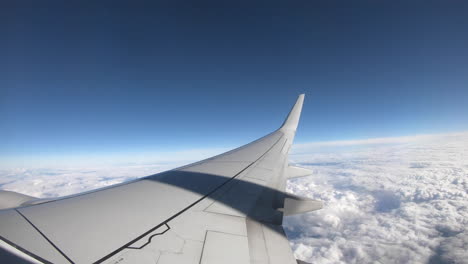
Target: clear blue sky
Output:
[{"x": 118, "y": 77}]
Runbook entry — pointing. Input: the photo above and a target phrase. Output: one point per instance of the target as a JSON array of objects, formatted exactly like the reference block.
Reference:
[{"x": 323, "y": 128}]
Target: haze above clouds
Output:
[
  {"x": 59, "y": 176},
  {"x": 390, "y": 200}
]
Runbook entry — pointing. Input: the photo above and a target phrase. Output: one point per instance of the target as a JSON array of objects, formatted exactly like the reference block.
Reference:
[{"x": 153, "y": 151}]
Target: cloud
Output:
[{"x": 404, "y": 201}]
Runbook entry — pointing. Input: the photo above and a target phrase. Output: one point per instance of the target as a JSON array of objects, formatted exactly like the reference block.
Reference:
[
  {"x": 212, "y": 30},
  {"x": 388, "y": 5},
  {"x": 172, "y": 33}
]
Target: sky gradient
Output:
[{"x": 117, "y": 77}]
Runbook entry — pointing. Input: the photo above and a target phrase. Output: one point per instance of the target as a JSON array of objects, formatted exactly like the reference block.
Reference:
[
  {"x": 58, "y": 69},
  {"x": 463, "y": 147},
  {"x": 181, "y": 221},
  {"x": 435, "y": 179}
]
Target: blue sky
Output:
[{"x": 93, "y": 79}]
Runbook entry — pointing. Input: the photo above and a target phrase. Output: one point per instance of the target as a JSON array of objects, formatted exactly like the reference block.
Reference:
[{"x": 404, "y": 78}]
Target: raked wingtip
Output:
[{"x": 292, "y": 120}]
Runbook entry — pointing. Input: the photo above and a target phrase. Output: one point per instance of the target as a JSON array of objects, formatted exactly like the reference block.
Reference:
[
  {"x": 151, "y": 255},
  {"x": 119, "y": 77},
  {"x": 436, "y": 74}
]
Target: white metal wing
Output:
[{"x": 225, "y": 209}]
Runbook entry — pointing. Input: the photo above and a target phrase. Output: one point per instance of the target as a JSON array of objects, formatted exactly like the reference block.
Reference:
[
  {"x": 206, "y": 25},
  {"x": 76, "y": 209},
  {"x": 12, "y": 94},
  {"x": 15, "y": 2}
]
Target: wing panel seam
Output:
[
  {"x": 45, "y": 237},
  {"x": 24, "y": 250}
]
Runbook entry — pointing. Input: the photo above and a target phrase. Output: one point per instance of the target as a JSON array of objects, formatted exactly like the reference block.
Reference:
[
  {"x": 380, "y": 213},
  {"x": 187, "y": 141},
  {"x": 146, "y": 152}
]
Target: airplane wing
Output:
[{"x": 225, "y": 209}]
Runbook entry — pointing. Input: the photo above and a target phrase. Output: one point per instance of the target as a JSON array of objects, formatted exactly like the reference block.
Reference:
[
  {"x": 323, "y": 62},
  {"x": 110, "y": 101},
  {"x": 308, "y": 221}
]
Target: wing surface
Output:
[{"x": 225, "y": 209}]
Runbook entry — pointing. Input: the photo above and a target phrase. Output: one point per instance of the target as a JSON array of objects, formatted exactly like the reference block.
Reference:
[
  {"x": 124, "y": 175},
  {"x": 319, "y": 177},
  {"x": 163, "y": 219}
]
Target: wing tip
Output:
[{"x": 292, "y": 120}]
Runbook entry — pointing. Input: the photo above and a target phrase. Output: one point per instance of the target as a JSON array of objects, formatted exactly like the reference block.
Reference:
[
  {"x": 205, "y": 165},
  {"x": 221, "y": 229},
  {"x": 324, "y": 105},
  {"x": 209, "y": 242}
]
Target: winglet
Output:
[{"x": 293, "y": 118}]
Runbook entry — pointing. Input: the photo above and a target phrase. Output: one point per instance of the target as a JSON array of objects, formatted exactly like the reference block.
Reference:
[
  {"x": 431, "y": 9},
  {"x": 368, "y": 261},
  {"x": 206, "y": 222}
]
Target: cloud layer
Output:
[
  {"x": 402, "y": 200},
  {"x": 390, "y": 200}
]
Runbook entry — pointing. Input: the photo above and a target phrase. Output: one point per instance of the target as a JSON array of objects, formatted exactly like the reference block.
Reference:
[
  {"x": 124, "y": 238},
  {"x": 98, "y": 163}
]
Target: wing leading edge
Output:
[{"x": 225, "y": 209}]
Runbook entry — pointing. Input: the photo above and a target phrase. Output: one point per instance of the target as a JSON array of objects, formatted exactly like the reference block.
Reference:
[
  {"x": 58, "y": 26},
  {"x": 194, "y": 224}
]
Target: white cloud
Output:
[{"x": 403, "y": 201}]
